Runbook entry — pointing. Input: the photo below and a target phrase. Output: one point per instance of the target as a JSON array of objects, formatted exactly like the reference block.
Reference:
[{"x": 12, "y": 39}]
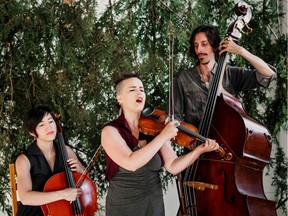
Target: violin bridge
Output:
[{"x": 201, "y": 185}]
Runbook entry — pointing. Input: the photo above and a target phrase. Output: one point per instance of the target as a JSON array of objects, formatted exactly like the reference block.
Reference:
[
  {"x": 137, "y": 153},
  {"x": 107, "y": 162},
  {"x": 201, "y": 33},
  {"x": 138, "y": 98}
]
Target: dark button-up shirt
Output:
[{"x": 191, "y": 93}]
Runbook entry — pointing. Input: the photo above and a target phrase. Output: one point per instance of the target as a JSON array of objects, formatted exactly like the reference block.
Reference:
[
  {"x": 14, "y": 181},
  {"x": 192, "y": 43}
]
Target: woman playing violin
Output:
[
  {"x": 133, "y": 160},
  {"x": 40, "y": 161}
]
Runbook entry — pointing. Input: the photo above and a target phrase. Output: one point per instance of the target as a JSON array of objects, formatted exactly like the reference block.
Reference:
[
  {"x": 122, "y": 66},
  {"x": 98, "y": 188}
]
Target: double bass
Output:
[{"x": 213, "y": 186}]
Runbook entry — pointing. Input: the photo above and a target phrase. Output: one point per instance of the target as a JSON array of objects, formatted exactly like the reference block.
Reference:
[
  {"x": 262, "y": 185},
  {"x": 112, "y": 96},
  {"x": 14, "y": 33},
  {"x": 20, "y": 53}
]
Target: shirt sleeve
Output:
[
  {"x": 265, "y": 81},
  {"x": 239, "y": 79}
]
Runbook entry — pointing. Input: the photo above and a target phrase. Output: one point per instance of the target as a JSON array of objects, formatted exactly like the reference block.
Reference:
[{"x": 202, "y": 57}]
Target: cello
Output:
[
  {"x": 86, "y": 204},
  {"x": 237, "y": 183}
]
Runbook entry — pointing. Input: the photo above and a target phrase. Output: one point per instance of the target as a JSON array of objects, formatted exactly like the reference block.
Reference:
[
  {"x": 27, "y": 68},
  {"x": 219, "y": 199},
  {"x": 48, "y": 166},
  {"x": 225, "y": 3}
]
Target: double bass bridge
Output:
[{"x": 201, "y": 186}]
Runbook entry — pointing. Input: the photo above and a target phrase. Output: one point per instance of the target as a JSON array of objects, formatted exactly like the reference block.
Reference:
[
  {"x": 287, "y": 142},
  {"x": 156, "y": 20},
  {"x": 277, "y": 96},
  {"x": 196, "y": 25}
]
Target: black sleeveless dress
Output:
[{"x": 40, "y": 172}]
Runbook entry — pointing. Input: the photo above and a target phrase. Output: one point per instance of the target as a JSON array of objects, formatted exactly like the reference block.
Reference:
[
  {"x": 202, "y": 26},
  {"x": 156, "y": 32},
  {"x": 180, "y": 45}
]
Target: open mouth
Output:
[
  {"x": 139, "y": 100},
  {"x": 202, "y": 55}
]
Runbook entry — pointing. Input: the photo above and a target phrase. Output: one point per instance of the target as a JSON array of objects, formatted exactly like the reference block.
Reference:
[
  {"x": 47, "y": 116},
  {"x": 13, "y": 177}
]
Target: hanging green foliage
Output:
[{"x": 65, "y": 55}]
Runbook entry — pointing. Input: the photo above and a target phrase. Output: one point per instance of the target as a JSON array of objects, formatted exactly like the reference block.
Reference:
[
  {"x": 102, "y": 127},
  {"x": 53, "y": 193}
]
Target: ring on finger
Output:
[{"x": 177, "y": 124}]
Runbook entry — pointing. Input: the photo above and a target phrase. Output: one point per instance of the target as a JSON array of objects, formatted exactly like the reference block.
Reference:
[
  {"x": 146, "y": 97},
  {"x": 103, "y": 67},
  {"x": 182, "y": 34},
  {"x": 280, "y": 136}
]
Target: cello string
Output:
[{"x": 69, "y": 175}]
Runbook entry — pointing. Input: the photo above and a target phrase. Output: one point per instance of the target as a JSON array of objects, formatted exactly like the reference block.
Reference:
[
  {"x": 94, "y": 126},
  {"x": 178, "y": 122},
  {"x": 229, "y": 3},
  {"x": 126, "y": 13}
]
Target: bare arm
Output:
[
  {"x": 36, "y": 198},
  {"x": 174, "y": 164},
  {"x": 260, "y": 65}
]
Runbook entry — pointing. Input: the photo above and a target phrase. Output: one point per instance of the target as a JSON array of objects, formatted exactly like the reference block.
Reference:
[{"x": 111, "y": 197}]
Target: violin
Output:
[{"x": 152, "y": 121}]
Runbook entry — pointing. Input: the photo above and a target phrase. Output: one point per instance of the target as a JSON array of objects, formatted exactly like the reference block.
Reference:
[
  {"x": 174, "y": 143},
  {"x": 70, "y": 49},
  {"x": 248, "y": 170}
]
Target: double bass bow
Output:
[
  {"x": 86, "y": 204},
  {"x": 237, "y": 183}
]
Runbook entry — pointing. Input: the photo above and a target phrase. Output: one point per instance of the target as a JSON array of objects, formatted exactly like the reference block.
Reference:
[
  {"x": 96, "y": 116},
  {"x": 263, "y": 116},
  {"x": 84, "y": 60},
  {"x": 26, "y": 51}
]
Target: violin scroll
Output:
[{"x": 223, "y": 154}]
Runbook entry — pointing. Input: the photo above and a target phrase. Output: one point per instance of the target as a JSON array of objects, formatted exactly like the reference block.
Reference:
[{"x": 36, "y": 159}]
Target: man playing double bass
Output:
[
  {"x": 191, "y": 86},
  {"x": 191, "y": 93}
]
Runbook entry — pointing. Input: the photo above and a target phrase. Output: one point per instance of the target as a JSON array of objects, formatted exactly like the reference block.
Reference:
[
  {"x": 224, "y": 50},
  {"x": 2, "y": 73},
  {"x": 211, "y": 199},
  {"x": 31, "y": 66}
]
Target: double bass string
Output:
[
  {"x": 190, "y": 173},
  {"x": 190, "y": 198}
]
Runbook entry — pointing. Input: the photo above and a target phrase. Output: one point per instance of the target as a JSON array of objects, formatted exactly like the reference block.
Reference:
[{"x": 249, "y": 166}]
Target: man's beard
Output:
[
  {"x": 204, "y": 63},
  {"x": 202, "y": 59}
]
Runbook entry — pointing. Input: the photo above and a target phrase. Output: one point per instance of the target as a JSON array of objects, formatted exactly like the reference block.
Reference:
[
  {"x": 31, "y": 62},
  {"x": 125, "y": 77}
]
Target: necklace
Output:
[{"x": 204, "y": 79}]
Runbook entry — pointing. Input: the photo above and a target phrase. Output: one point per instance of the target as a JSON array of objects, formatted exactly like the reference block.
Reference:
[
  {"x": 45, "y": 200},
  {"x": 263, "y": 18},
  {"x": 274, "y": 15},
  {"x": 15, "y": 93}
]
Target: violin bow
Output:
[
  {"x": 171, "y": 91},
  {"x": 171, "y": 118}
]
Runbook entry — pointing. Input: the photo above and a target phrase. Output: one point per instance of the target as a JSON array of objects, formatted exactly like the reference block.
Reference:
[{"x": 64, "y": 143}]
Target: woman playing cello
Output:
[
  {"x": 133, "y": 160},
  {"x": 40, "y": 161}
]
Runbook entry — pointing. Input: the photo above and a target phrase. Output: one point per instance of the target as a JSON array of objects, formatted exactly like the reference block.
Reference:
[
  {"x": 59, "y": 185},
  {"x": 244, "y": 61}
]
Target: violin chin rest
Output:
[{"x": 147, "y": 111}]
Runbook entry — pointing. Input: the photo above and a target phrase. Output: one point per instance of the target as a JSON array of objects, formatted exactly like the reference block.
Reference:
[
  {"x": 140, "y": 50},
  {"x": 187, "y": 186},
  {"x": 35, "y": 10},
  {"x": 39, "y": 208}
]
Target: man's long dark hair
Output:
[{"x": 213, "y": 37}]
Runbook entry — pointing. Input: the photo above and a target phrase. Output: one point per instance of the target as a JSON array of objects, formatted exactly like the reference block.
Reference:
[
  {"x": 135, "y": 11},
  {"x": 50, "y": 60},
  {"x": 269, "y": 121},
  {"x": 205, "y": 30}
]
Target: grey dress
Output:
[{"x": 136, "y": 193}]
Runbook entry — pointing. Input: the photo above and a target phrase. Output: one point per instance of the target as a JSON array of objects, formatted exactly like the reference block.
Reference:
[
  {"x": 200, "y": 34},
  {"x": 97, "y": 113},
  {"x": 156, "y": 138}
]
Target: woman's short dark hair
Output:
[
  {"x": 125, "y": 76},
  {"x": 213, "y": 37},
  {"x": 122, "y": 77},
  {"x": 34, "y": 116}
]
